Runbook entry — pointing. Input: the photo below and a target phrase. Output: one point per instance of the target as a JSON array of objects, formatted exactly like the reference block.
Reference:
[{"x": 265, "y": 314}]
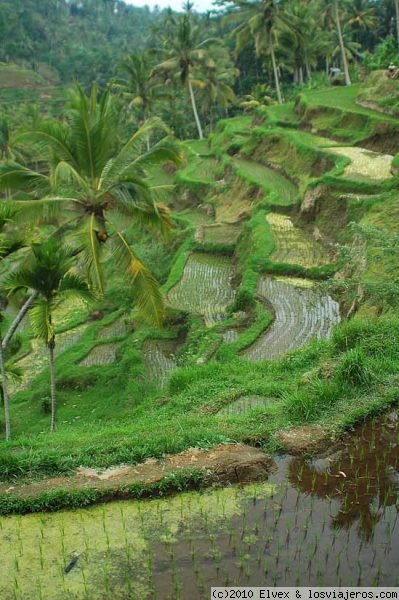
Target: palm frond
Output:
[
  {"x": 148, "y": 295},
  {"x": 40, "y": 318},
  {"x": 50, "y": 139},
  {"x": 46, "y": 210},
  {"x": 90, "y": 251},
  {"x": 74, "y": 286},
  {"x": 118, "y": 166},
  {"x": 66, "y": 173},
  {"x": 14, "y": 176}
]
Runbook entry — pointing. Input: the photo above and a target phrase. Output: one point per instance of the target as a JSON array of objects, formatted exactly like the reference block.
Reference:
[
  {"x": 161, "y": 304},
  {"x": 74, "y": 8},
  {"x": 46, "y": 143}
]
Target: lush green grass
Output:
[
  {"x": 381, "y": 92},
  {"x": 334, "y": 111},
  {"x": 114, "y": 413},
  {"x": 345, "y": 98},
  {"x": 279, "y": 190},
  {"x": 129, "y": 424}
]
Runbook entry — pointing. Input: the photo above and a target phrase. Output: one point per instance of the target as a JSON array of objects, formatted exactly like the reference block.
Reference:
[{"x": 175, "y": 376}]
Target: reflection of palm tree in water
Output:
[{"x": 364, "y": 472}]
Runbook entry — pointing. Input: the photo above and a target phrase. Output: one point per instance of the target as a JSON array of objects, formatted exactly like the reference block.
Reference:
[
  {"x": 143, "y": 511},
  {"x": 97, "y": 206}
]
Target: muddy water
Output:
[{"x": 331, "y": 521}]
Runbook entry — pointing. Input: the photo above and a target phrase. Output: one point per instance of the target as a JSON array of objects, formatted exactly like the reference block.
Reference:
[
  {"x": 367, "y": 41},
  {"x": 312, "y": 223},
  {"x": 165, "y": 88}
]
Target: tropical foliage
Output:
[{"x": 96, "y": 187}]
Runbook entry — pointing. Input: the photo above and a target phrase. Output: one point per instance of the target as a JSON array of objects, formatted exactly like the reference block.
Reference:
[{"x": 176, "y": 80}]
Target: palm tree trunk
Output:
[
  {"x": 51, "y": 346},
  {"x": 307, "y": 67},
  {"x": 341, "y": 44},
  {"x": 193, "y": 104},
  {"x": 397, "y": 19},
  {"x": 275, "y": 71},
  {"x": 14, "y": 325},
  {"x": 6, "y": 397}
]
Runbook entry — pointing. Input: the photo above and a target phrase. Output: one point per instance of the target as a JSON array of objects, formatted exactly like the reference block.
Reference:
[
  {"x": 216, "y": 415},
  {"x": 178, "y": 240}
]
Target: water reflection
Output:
[{"x": 363, "y": 477}]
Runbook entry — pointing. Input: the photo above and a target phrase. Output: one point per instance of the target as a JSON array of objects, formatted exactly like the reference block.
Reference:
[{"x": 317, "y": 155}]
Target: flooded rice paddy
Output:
[
  {"x": 159, "y": 359},
  {"x": 102, "y": 354},
  {"x": 330, "y": 521},
  {"x": 302, "y": 312},
  {"x": 205, "y": 287}
]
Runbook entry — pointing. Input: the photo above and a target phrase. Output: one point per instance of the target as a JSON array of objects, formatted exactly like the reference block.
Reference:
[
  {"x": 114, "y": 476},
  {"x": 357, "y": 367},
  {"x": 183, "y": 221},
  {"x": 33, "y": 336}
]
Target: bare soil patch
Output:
[{"x": 303, "y": 439}]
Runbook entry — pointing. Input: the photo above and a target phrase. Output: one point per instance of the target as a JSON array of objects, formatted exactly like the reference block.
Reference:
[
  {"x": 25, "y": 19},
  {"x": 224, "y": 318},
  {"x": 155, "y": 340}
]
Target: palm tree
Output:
[
  {"x": 185, "y": 51},
  {"x": 9, "y": 244},
  {"x": 97, "y": 189},
  {"x": 259, "y": 20},
  {"x": 138, "y": 87},
  {"x": 303, "y": 42},
  {"x": 362, "y": 16},
  {"x": 215, "y": 81},
  {"x": 331, "y": 16},
  {"x": 50, "y": 274}
]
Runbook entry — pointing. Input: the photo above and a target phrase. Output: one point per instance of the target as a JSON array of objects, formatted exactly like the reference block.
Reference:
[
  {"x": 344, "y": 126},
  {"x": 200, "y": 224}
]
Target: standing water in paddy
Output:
[
  {"x": 330, "y": 521},
  {"x": 302, "y": 312}
]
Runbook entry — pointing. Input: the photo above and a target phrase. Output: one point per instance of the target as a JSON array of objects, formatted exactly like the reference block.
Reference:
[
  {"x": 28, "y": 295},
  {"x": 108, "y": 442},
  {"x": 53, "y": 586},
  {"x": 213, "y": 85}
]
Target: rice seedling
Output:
[
  {"x": 117, "y": 328},
  {"x": 159, "y": 359},
  {"x": 283, "y": 191},
  {"x": 221, "y": 233},
  {"x": 293, "y": 245},
  {"x": 102, "y": 354},
  {"x": 305, "y": 530}
]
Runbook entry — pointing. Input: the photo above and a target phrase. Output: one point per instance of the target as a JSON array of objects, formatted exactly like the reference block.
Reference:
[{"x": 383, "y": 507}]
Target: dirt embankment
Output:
[{"x": 225, "y": 464}]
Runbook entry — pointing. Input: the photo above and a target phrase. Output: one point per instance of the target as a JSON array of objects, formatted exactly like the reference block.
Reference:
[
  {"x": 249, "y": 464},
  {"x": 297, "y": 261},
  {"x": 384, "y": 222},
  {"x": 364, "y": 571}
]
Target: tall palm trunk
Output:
[
  {"x": 397, "y": 19},
  {"x": 275, "y": 71},
  {"x": 14, "y": 325},
  {"x": 308, "y": 68},
  {"x": 6, "y": 397},
  {"x": 51, "y": 346},
  {"x": 193, "y": 104},
  {"x": 341, "y": 44}
]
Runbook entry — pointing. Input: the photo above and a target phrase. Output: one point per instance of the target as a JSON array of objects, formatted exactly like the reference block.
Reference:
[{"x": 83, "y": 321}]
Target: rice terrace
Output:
[{"x": 199, "y": 298}]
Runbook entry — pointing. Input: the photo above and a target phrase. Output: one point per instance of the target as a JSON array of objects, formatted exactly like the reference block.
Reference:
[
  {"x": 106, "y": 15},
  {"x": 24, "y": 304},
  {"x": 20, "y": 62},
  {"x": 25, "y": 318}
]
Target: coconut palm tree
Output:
[
  {"x": 9, "y": 244},
  {"x": 303, "y": 42},
  {"x": 50, "y": 273},
  {"x": 258, "y": 20},
  {"x": 137, "y": 85},
  {"x": 97, "y": 188},
  {"x": 215, "y": 80},
  {"x": 362, "y": 17},
  {"x": 331, "y": 15},
  {"x": 186, "y": 50}
]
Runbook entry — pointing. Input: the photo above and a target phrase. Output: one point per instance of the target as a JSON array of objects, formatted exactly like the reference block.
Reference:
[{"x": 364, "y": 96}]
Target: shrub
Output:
[
  {"x": 350, "y": 333},
  {"x": 353, "y": 368},
  {"x": 46, "y": 406},
  {"x": 307, "y": 403}
]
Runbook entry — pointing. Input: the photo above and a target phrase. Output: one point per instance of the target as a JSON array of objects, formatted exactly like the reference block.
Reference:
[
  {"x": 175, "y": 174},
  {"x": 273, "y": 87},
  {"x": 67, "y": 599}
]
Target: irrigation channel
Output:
[{"x": 328, "y": 521}]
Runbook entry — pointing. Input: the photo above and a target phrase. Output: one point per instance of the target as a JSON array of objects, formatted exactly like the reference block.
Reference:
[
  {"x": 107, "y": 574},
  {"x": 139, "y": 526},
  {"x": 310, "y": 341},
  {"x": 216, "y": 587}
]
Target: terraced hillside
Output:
[{"x": 245, "y": 283}]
